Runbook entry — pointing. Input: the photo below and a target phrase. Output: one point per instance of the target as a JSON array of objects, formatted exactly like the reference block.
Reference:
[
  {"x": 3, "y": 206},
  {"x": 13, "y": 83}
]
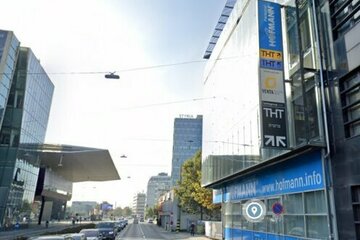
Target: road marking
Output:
[{"x": 142, "y": 232}]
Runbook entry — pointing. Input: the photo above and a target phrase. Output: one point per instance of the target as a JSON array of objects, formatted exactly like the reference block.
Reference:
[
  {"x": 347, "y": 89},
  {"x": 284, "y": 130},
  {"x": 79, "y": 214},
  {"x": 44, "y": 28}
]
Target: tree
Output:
[
  {"x": 151, "y": 212},
  {"x": 118, "y": 212},
  {"x": 121, "y": 212},
  {"x": 192, "y": 197},
  {"x": 127, "y": 211}
]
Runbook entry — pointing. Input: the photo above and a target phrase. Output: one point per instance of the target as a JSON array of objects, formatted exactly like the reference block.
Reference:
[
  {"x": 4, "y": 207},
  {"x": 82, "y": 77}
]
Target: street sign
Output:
[
  {"x": 272, "y": 86},
  {"x": 277, "y": 208},
  {"x": 274, "y": 126}
]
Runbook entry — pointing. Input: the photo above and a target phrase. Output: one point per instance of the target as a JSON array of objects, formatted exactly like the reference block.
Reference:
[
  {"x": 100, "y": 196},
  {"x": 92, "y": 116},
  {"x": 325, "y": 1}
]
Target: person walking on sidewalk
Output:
[{"x": 192, "y": 229}]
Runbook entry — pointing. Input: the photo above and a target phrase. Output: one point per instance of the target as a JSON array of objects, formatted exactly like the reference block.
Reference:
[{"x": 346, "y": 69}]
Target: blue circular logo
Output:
[{"x": 254, "y": 210}]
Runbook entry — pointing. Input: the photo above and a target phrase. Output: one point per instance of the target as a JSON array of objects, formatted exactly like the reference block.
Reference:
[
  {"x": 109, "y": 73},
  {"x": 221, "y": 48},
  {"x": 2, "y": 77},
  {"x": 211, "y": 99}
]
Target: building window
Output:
[
  {"x": 5, "y": 137},
  {"x": 344, "y": 15},
  {"x": 350, "y": 100},
  {"x": 355, "y": 195},
  {"x": 305, "y": 216}
]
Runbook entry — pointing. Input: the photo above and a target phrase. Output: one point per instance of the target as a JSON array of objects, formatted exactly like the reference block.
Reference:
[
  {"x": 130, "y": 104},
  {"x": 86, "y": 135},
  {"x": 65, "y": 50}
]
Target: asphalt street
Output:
[{"x": 147, "y": 231}]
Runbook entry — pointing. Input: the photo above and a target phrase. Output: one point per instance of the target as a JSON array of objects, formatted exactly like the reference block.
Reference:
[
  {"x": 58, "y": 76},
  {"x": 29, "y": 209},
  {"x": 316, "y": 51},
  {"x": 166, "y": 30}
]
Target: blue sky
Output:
[{"x": 110, "y": 35}]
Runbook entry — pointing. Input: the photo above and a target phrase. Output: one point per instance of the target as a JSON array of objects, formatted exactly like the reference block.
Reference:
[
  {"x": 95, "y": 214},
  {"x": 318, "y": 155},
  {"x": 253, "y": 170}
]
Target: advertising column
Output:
[{"x": 272, "y": 87}]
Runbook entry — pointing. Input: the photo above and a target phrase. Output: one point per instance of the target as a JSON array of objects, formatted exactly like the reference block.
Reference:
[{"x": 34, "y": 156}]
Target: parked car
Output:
[
  {"x": 120, "y": 225},
  {"x": 150, "y": 220},
  {"x": 78, "y": 236},
  {"x": 107, "y": 230},
  {"x": 91, "y": 234},
  {"x": 53, "y": 237}
]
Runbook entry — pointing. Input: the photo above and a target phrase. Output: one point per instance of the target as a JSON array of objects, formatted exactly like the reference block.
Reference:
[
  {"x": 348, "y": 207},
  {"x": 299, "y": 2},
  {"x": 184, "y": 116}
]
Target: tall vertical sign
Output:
[{"x": 272, "y": 86}]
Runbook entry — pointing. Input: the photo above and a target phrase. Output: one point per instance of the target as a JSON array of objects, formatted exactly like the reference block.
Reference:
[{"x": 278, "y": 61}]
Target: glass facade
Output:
[
  {"x": 305, "y": 217},
  {"x": 232, "y": 124},
  {"x": 187, "y": 141},
  {"x": 54, "y": 183},
  {"x": 304, "y": 213},
  {"x": 9, "y": 48},
  {"x": 25, "y": 122}
]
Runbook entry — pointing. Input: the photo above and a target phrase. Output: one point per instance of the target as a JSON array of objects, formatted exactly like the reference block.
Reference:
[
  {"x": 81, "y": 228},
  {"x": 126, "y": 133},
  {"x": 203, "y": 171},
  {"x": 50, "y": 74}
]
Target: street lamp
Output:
[{"x": 112, "y": 76}]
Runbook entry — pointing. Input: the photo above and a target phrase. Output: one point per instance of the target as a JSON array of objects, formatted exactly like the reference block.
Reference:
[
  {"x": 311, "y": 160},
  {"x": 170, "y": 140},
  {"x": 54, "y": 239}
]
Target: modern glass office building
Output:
[
  {"x": 9, "y": 48},
  {"x": 284, "y": 127},
  {"x": 25, "y": 122},
  {"x": 36, "y": 178},
  {"x": 187, "y": 140}
]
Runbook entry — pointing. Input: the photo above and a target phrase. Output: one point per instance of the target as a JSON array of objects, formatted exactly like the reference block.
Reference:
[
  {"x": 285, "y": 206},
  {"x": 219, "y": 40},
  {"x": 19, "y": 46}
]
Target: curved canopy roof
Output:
[{"x": 74, "y": 163}]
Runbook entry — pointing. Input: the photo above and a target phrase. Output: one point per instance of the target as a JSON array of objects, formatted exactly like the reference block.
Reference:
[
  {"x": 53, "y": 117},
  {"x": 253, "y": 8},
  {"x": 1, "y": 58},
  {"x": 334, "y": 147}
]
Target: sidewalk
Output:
[
  {"x": 186, "y": 235},
  {"x": 183, "y": 235}
]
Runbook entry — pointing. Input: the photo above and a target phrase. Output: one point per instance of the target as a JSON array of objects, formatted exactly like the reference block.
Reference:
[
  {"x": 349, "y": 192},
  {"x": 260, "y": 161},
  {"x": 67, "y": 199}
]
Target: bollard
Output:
[{"x": 178, "y": 226}]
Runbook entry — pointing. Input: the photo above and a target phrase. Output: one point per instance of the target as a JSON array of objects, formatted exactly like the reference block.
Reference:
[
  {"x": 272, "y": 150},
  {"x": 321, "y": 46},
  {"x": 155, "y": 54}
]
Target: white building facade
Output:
[{"x": 139, "y": 204}]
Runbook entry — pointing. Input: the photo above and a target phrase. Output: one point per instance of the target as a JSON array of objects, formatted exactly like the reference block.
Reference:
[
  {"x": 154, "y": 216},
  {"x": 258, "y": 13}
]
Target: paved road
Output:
[
  {"x": 141, "y": 231},
  {"x": 146, "y": 231}
]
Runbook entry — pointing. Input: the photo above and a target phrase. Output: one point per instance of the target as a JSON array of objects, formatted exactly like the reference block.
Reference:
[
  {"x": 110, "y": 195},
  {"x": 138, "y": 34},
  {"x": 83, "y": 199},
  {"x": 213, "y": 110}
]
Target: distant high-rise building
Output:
[
  {"x": 187, "y": 140},
  {"x": 139, "y": 204},
  {"x": 157, "y": 185}
]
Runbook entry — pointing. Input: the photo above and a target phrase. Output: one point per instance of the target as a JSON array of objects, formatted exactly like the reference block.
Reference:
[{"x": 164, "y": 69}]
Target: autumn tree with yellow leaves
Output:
[{"x": 192, "y": 197}]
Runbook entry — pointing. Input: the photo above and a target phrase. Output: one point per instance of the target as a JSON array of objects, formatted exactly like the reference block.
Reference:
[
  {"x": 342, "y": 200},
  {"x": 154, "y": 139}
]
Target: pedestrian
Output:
[
  {"x": 47, "y": 223},
  {"x": 192, "y": 229},
  {"x": 17, "y": 225}
]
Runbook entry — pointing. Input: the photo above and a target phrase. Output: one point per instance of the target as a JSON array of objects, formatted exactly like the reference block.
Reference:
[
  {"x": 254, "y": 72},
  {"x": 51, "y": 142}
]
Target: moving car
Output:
[
  {"x": 91, "y": 234},
  {"x": 150, "y": 220},
  {"x": 107, "y": 230}
]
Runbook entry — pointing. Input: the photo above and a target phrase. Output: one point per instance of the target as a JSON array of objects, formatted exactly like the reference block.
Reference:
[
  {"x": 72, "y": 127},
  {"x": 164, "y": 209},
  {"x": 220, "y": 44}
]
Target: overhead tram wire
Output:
[
  {"x": 120, "y": 71},
  {"x": 132, "y": 69},
  {"x": 167, "y": 103}
]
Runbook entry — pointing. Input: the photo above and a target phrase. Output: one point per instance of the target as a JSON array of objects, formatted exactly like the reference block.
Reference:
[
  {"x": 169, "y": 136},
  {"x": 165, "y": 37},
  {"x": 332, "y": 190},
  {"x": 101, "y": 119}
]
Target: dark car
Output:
[
  {"x": 107, "y": 230},
  {"x": 120, "y": 225}
]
